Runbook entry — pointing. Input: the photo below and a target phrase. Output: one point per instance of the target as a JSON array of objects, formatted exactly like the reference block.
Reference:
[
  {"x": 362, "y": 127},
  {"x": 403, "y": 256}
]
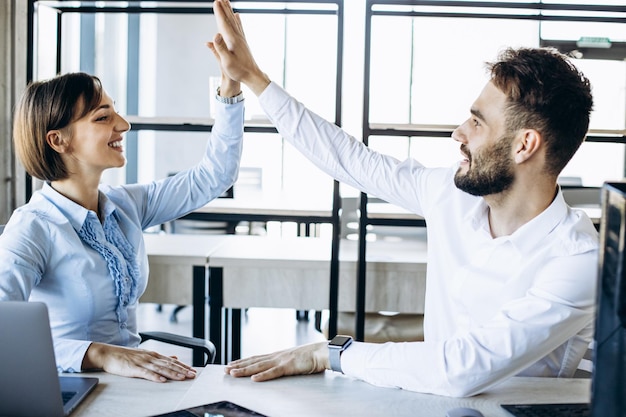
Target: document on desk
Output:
[{"x": 220, "y": 408}]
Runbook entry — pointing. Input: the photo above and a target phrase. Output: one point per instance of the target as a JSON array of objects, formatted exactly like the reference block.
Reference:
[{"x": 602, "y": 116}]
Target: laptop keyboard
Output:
[
  {"x": 548, "y": 410},
  {"x": 67, "y": 395}
]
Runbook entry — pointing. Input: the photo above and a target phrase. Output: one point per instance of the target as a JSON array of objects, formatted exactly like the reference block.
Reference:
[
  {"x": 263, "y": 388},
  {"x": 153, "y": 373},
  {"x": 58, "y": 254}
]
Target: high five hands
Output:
[{"x": 232, "y": 51}]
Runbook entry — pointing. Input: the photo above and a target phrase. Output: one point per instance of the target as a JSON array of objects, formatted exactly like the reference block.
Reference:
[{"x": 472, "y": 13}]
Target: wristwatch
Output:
[
  {"x": 229, "y": 100},
  {"x": 336, "y": 347}
]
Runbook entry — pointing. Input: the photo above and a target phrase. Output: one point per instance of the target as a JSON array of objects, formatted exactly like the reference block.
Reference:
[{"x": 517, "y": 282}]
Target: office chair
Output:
[{"x": 194, "y": 343}]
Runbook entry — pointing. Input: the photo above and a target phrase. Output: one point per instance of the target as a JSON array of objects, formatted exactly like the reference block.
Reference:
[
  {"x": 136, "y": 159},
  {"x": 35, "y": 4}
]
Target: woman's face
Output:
[{"x": 96, "y": 140}]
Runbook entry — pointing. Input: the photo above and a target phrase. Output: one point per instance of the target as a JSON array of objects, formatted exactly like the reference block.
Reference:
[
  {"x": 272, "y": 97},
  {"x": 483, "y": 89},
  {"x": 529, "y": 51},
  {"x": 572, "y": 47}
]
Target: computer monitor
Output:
[{"x": 608, "y": 391}]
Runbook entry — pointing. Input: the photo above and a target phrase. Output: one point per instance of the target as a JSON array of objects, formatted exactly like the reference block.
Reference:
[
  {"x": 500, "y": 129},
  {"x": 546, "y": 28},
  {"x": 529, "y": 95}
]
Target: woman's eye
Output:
[
  {"x": 475, "y": 122},
  {"x": 101, "y": 118}
]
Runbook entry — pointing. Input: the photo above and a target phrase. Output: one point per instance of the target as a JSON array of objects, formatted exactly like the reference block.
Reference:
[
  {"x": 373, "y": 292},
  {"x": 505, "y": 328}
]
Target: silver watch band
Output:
[
  {"x": 334, "y": 355},
  {"x": 229, "y": 100},
  {"x": 336, "y": 346}
]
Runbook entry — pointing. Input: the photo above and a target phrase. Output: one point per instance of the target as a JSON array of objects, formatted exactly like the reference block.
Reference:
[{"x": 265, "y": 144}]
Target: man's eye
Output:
[{"x": 476, "y": 122}]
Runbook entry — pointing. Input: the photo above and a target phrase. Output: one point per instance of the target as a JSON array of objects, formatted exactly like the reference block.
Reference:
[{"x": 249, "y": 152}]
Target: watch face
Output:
[{"x": 340, "y": 341}]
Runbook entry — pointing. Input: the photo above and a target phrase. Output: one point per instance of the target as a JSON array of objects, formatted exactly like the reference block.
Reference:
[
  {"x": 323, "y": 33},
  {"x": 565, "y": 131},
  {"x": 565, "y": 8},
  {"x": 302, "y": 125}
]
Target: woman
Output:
[{"x": 77, "y": 245}]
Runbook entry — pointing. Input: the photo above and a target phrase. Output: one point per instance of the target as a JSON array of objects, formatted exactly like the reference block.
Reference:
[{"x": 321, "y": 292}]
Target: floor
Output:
[{"x": 263, "y": 330}]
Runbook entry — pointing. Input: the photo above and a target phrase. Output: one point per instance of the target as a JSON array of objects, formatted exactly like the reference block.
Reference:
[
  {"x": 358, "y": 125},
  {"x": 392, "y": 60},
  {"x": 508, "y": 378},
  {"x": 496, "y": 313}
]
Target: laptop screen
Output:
[{"x": 608, "y": 397}]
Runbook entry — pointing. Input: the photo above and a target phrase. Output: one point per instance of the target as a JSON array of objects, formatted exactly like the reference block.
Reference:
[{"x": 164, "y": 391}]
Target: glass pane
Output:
[
  {"x": 311, "y": 62},
  {"x": 304, "y": 181},
  {"x": 449, "y": 70},
  {"x": 396, "y": 146},
  {"x": 435, "y": 152},
  {"x": 596, "y": 163},
  {"x": 266, "y": 36},
  {"x": 390, "y": 70}
]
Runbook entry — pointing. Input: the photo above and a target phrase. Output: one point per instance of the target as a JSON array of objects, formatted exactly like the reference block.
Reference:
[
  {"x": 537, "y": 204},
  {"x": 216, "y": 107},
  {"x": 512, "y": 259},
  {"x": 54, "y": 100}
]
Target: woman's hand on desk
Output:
[
  {"x": 136, "y": 363},
  {"x": 306, "y": 359}
]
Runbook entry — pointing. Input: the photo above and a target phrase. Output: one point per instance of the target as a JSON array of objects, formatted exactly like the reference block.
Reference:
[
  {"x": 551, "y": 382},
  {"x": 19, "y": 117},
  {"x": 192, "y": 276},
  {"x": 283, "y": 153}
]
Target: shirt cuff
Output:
[
  {"x": 229, "y": 119},
  {"x": 70, "y": 354}
]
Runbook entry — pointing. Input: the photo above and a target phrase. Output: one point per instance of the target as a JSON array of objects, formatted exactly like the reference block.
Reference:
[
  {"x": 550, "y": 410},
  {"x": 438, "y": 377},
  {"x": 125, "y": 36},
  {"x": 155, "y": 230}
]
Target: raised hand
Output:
[{"x": 232, "y": 51}]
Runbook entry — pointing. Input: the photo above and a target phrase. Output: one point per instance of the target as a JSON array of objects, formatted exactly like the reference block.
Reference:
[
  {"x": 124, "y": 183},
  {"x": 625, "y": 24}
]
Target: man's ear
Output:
[
  {"x": 57, "y": 140},
  {"x": 528, "y": 143}
]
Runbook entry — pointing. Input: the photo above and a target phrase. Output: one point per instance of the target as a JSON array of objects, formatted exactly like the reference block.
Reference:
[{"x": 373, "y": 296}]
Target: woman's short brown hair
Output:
[{"x": 50, "y": 105}]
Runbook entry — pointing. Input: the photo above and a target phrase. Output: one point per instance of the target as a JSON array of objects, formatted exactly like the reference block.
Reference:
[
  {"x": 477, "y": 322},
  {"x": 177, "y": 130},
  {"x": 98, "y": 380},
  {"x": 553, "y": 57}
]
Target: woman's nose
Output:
[{"x": 123, "y": 125}]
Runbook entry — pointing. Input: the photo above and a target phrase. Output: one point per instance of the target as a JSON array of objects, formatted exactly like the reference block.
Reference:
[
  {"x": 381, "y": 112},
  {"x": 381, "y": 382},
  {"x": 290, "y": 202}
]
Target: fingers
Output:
[
  {"x": 296, "y": 361},
  {"x": 228, "y": 24},
  {"x": 139, "y": 363},
  {"x": 160, "y": 369}
]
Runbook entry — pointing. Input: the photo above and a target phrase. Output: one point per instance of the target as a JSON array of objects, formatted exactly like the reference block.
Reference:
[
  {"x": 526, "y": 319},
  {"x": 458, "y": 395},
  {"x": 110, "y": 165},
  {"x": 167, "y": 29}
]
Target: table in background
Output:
[
  {"x": 305, "y": 212},
  {"x": 263, "y": 209},
  {"x": 178, "y": 274},
  {"x": 253, "y": 271}
]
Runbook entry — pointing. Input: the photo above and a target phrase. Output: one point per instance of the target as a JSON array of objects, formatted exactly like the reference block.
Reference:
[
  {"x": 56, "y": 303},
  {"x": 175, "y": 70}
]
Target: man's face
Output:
[
  {"x": 490, "y": 169},
  {"x": 487, "y": 167}
]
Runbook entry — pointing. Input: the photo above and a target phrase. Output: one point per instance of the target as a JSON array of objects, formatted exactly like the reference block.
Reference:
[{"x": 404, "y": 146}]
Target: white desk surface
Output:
[
  {"x": 389, "y": 211},
  {"x": 192, "y": 249},
  {"x": 278, "y": 206},
  {"x": 117, "y": 396},
  {"x": 325, "y": 394}
]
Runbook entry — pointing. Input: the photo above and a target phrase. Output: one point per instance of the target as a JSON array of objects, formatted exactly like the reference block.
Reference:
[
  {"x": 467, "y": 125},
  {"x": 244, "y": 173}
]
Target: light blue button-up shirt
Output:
[{"x": 91, "y": 274}]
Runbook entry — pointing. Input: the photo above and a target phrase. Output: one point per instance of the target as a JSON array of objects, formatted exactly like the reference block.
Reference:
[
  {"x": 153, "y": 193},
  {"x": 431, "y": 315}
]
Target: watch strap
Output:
[
  {"x": 336, "y": 346},
  {"x": 229, "y": 100},
  {"x": 334, "y": 356}
]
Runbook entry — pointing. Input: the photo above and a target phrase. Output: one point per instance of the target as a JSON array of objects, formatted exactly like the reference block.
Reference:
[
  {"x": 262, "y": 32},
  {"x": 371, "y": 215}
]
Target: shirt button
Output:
[{"x": 123, "y": 325}]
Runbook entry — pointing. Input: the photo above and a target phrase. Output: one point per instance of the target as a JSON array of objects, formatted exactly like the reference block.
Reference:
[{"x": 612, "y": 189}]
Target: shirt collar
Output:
[
  {"x": 73, "y": 212},
  {"x": 527, "y": 237}
]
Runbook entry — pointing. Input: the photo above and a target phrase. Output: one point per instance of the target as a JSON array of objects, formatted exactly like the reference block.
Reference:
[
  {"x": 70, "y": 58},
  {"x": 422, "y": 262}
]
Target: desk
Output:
[
  {"x": 117, "y": 396},
  {"x": 172, "y": 256},
  {"x": 304, "y": 212},
  {"x": 385, "y": 214},
  {"x": 332, "y": 394},
  {"x": 325, "y": 394},
  {"x": 264, "y": 209},
  {"x": 253, "y": 271}
]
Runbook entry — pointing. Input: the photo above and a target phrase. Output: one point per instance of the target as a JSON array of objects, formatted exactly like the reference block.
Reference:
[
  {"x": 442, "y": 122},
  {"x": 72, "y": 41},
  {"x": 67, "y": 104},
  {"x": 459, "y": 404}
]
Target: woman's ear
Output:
[
  {"x": 527, "y": 145},
  {"x": 57, "y": 140}
]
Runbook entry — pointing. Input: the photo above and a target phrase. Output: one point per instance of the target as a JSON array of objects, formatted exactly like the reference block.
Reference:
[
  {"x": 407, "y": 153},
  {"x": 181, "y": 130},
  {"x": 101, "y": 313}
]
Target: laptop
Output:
[
  {"x": 608, "y": 376},
  {"x": 29, "y": 382}
]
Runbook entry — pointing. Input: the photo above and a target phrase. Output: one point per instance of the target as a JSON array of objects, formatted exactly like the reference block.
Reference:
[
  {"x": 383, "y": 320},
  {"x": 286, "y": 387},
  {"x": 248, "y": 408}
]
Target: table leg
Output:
[
  {"x": 199, "y": 310},
  {"x": 235, "y": 334},
  {"x": 216, "y": 302}
]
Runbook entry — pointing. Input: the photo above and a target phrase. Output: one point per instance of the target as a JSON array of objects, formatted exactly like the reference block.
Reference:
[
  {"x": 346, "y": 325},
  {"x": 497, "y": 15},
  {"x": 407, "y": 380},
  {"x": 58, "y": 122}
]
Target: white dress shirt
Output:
[
  {"x": 516, "y": 305},
  {"x": 91, "y": 274}
]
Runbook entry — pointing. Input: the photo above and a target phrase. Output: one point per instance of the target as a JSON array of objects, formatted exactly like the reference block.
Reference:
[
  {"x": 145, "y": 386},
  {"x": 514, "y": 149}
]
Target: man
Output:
[{"x": 511, "y": 268}]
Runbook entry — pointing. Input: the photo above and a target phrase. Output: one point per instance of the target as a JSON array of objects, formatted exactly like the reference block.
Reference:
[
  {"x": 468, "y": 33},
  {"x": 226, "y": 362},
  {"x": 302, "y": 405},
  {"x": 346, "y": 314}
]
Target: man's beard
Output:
[{"x": 489, "y": 172}]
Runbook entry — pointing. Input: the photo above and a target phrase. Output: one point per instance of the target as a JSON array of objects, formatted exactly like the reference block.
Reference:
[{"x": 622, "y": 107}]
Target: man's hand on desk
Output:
[
  {"x": 136, "y": 363},
  {"x": 306, "y": 359}
]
